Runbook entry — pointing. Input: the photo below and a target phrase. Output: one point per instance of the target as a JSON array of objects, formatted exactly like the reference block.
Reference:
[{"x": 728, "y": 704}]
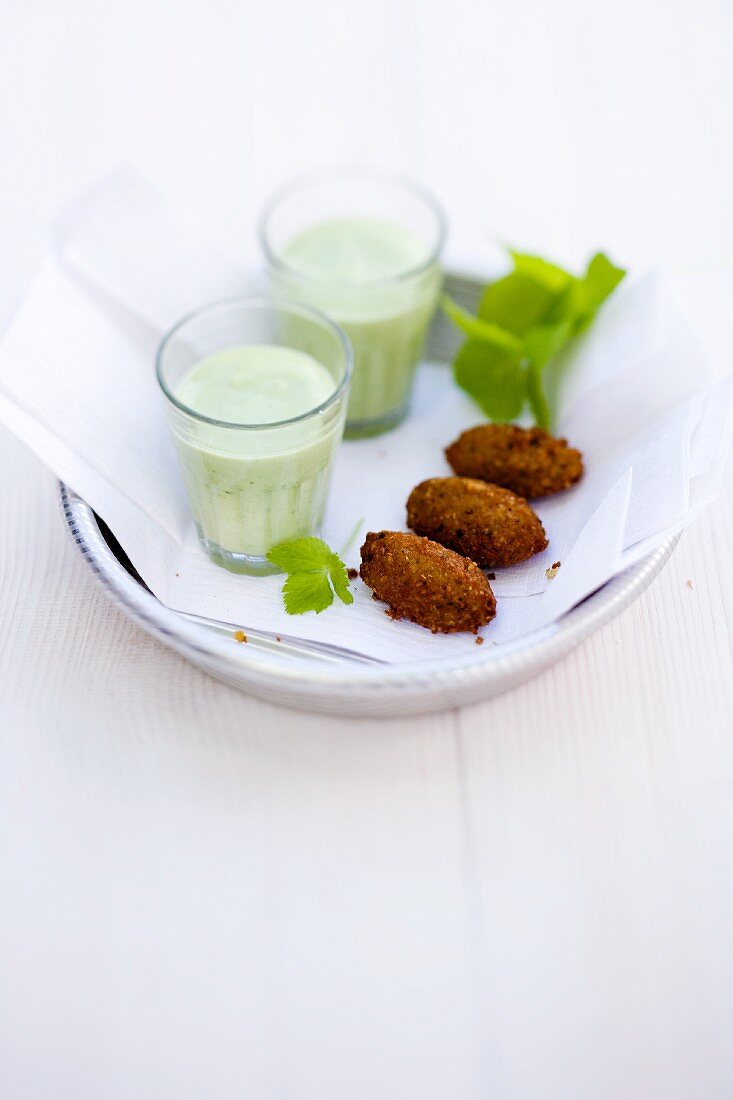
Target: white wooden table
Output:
[{"x": 205, "y": 896}]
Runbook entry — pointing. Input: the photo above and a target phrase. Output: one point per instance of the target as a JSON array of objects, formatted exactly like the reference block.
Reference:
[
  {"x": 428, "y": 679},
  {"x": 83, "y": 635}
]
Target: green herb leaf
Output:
[
  {"x": 339, "y": 579},
  {"x": 493, "y": 378},
  {"x": 516, "y": 303},
  {"x": 307, "y": 592},
  {"x": 538, "y": 402},
  {"x": 545, "y": 341},
  {"x": 314, "y": 571},
  {"x": 601, "y": 279},
  {"x": 555, "y": 279},
  {"x": 524, "y": 320},
  {"x": 479, "y": 329},
  {"x": 300, "y": 555}
]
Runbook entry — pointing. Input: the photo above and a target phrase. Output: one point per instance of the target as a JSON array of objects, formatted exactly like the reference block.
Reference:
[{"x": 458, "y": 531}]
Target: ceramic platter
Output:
[{"x": 328, "y": 681}]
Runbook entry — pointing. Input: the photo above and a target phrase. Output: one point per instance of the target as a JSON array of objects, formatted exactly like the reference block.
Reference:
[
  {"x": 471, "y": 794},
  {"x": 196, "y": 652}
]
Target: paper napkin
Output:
[{"x": 637, "y": 395}]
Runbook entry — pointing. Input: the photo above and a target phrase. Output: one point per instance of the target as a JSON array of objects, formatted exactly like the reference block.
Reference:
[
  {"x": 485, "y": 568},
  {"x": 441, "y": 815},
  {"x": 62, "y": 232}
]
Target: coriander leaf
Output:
[
  {"x": 339, "y": 579},
  {"x": 314, "y": 571},
  {"x": 478, "y": 329},
  {"x": 545, "y": 341},
  {"x": 517, "y": 303},
  {"x": 541, "y": 345},
  {"x": 536, "y": 396},
  {"x": 495, "y": 379},
  {"x": 601, "y": 279},
  {"x": 300, "y": 555},
  {"x": 307, "y": 592},
  {"x": 524, "y": 320},
  {"x": 553, "y": 278},
  {"x": 564, "y": 306}
]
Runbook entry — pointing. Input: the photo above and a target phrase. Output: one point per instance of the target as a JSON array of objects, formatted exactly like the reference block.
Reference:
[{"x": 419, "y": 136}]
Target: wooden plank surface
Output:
[{"x": 522, "y": 894}]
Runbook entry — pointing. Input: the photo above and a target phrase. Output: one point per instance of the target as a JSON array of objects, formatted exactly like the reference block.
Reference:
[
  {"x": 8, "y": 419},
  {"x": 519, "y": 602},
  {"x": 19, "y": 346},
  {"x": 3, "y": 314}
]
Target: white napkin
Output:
[{"x": 77, "y": 383}]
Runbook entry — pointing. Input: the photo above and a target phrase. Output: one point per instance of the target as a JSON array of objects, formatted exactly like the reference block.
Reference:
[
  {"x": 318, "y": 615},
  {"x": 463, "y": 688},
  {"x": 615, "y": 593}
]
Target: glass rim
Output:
[
  {"x": 256, "y": 302},
  {"x": 309, "y": 179}
]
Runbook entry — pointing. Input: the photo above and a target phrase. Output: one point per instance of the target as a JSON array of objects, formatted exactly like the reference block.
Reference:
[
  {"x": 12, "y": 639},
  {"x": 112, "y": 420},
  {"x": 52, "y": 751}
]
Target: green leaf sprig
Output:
[
  {"x": 315, "y": 573},
  {"x": 524, "y": 319}
]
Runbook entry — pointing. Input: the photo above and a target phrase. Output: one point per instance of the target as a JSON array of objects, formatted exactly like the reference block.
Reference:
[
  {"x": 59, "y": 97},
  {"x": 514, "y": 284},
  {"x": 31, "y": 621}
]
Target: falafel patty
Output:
[
  {"x": 490, "y": 525},
  {"x": 529, "y": 461},
  {"x": 426, "y": 583}
]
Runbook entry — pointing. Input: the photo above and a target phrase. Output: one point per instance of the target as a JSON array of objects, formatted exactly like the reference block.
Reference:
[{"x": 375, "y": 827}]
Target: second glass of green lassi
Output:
[
  {"x": 364, "y": 247},
  {"x": 256, "y": 393}
]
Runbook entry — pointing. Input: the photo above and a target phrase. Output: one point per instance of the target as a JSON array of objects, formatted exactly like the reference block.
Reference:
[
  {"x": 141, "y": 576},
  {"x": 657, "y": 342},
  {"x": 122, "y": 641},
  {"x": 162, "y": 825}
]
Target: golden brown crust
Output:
[
  {"x": 426, "y": 583},
  {"x": 529, "y": 461},
  {"x": 490, "y": 525}
]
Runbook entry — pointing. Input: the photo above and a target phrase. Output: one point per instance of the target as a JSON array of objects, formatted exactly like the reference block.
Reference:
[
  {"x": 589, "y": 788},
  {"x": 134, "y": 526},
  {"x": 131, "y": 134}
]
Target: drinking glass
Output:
[
  {"x": 324, "y": 237},
  {"x": 254, "y": 485}
]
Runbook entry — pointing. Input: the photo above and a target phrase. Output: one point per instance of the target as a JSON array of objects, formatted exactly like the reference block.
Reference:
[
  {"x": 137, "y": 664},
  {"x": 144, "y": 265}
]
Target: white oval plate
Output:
[
  {"x": 313, "y": 681},
  {"x": 344, "y": 687}
]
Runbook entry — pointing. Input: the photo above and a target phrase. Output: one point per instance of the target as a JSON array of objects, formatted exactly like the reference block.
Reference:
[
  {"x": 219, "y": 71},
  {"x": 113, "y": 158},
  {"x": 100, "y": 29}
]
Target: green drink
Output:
[
  {"x": 256, "y": 425},
  {"x": 373, "y": 269}
]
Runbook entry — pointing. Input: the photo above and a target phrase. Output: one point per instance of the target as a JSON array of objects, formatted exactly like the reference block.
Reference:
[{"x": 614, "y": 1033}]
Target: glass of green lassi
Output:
[
  {"x": 364, "y": 247},
  {"x": 256, "y": 392}
]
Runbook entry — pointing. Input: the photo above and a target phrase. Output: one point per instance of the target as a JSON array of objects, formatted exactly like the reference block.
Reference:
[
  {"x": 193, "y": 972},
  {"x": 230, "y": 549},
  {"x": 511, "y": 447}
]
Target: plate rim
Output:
[{"x": 250, "y": 667}]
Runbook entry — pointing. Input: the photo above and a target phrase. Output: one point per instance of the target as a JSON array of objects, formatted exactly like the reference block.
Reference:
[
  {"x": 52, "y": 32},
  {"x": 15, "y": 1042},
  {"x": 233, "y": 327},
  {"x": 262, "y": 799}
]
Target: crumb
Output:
[
  {"x": 690, "y": 584},
  {"x": 240, "y": 636},
  {"x": 352, "y": 574},
  {"x": 552, "y": 572},
  {"x": 178, "y": 574},
  {"x": 479, "y": 641},
  {"x": 491, "y": 576},
  {"x": 278, "y": 638}
]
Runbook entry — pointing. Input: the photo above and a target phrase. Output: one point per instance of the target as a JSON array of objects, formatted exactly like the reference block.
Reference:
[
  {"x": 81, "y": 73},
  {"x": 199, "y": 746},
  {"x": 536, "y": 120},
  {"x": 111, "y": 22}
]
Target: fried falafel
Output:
[
  {"x": 529, "y": 461},
  {"x": 426, "y": 583},
  {"x": 490, "y": 525}
]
